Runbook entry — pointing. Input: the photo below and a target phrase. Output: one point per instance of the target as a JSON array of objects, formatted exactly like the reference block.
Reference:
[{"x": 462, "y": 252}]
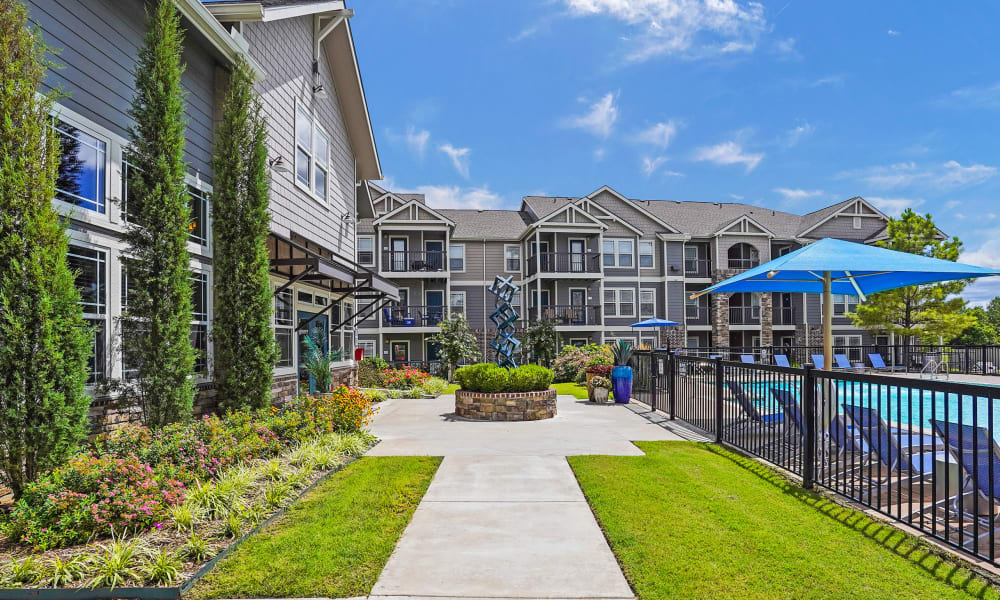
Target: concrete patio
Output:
[{"x": 504, "y": 516}]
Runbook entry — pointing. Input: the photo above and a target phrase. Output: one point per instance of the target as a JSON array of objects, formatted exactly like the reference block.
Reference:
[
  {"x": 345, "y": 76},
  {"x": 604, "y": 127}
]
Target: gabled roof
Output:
[
  {"x": 571, "y": 210},
  {"x": 744, "y": 225},
  {"x": 815, "y": 219},
  {"x": 637, "y": 205},
  {"x": 471, "y": 224},
  {"x": 413, "y": 206}
]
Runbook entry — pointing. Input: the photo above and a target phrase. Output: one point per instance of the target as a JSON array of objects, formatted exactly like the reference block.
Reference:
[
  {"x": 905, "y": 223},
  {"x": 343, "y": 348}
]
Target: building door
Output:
[
  {"x": 435, "y": 307},
  {"x": 399, "y": 352},
  {"x": 578, "y": 306},
  {"x": 577, "y": 256},
  {"x": 434, "y": 259},
  {"x": 397, "y": 254},
  {"x": 316, "y": 330}
]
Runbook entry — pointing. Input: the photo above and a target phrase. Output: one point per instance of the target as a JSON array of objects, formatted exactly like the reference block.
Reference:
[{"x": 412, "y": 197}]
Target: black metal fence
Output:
[
  {"x": 906, "y": 358},
  {"x": 922, "y": 452}
]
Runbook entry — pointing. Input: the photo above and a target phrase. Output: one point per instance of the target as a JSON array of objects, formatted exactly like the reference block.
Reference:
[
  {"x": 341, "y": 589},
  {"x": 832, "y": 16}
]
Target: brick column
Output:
[
  {"x": 766, "y": 320},
  {"x": 720, "y": 319}
]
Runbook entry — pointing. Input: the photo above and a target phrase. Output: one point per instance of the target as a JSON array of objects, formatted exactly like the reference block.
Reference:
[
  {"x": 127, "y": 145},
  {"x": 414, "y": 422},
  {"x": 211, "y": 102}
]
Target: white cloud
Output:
[
  {"x": 947, "y": 175},
  {"x": 786, "y": 49},
  {"x": 659, "y": 134},
  {"x": 650, "y": 164},
  {"x": 954, "y": 174},
  {"x": 599, "y": 154},
  {"x": 729, "y": 153},
  {"x": 600, "y": 119},
  {"x": 986, "y": 255},
  {"x": 976, "y": 96},
  {"x": 831, "y": 80},
  {"x": 735, "y": 196},
  {"x": 417, "y": 140},
  {"x": 453, "y": 196},
  {"x": 681, "y": 27},
  {"x": 525, "y": 33},
  {"x": 894, "y": 206},
  {"x": 893, "y": 32},
  {"x": 797, "y": 194},
  {"x": 797, "y": 133},
  {"x": 952, "y": 204},
  {"x": 459, "y": 158}
]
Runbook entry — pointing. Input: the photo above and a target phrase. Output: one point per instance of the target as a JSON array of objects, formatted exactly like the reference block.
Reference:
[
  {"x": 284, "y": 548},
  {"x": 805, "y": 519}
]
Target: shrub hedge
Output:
[{"x": 488, "y": 378}]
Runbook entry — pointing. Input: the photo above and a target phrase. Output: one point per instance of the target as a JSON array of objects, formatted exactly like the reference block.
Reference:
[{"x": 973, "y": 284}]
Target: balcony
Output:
[
  {"x": 744, "y": 315},
  {"x": 565, "y": 262},
  {"x": 697, "y": 267},
  {"x": 565, "y": 314},
  {"x": 742, "y": 264},
  {"x": 697, "y": 315},
  {"x": 414, "y": 261},
  {"x": 413, "y": 315},
  {"x": 783, "y": 315}
]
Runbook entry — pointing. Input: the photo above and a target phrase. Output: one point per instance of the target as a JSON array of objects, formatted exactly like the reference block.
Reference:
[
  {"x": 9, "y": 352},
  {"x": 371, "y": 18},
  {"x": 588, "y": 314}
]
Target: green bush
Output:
[
  {"x": 370, "y": 372},
  {"x": 530, "y": 378},
  {"x": 491, "y": 379}
]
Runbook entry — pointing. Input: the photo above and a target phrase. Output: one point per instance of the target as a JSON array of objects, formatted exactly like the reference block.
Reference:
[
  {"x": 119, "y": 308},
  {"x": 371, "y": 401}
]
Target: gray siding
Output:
[
  {"x": 97, "y": 42},
  {"x": 284, "y": 50},
  {"x": 675, "y": 301},
  {"x": 675, "y": 257},
  {"x": 843, "y": 228}
]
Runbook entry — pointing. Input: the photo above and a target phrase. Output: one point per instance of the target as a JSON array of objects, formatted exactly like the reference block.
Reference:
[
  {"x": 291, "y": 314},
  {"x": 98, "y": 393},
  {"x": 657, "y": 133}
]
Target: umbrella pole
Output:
[{"x": 827, "y": 321}]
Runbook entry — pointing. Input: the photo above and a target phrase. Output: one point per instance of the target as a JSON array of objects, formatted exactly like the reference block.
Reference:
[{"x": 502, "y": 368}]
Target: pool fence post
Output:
[
  {"x": 671, "y": 386},
  {"x": 719, "y": 387},
  {"x": 809, "y": 420}
]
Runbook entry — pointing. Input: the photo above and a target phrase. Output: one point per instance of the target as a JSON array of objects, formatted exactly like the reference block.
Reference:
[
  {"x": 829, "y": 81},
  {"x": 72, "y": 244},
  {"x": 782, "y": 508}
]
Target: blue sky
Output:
[{"x": 789, "y": 104}]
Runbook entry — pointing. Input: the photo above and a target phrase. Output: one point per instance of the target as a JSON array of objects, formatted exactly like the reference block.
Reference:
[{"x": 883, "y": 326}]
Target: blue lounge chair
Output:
[
  {"x": 845, "y": 437},
  {"x": 977, "y": 453},
  {"x": 818, "y": 361},
  {"x": 747, "y": 358},
  {"x": 842, "y": 361},
  {"x": 752, "y": 414},
  {"x": 793, "y": 415},
  {"x": 877, "y": 363},
  {"x": 781, "y": 360}
]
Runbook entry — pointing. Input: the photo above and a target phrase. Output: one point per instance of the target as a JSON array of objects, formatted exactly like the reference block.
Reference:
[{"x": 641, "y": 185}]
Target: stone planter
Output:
[
  {"x": 600, "y": 395},
  {"x": 506, "y": 406}
]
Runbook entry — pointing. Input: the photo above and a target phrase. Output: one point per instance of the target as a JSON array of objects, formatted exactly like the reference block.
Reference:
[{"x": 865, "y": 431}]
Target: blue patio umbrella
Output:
[
  {"x": 654, "y": 322},
  {"x": 832, "y": 266}
]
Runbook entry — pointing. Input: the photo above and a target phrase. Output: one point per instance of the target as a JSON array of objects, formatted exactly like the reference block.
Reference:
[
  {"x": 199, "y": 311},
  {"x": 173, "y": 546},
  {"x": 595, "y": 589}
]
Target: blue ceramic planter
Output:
[{"x": 621, "y": 383}]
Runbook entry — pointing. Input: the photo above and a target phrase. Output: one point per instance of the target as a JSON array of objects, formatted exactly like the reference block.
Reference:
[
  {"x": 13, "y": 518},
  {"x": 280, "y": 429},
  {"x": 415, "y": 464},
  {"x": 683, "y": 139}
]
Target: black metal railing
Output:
[
  {"x": 413, "y": 315},
  {"x": 414, "y": 261},
  {"x": 783, "y": 315},
  {"x": 566, "y": 314},
  {"x": 434, "y": 367},
  {"x": 744, "y": 315},
  {"x": 920, "y": 452},
  {"x": 698, "y": 267},
  {"x": 565, "y": 262}
]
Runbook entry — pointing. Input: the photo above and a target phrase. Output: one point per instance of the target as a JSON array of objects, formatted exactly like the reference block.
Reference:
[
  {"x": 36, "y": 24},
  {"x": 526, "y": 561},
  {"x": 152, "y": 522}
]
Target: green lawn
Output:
[
  {"x": 450, "y": 389},
  {"x": 697, "y": 521},
  {"x": 572, "y": 389},
  {"x": 334, "y": 542}
]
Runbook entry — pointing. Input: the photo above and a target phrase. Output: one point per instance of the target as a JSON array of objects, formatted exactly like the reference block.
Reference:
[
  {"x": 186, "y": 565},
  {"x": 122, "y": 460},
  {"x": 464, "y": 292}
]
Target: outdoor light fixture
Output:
[
  {"x": 277, "y": 164},
  {"x": 346, "y": 217},
  {"x": 318, "y": 90}
]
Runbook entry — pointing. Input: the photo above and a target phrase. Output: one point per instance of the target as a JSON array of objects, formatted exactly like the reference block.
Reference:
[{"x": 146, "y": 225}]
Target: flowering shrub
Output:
[
  {"x": 370, "y": 372},
  {"x": 91, "y": 495},
  {"x": 602, "y": 370},
  {"x": 344, "y": 409},
  {"x": 404, "y": 379},
  {"x": 572, "y": 362}
]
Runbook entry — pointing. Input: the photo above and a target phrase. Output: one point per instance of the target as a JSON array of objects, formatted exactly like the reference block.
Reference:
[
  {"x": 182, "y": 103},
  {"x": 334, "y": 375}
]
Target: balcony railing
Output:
[
  {"x": 742, "y": 264},
  {"x": 564, "y": 314},
  {"x": 565, "y": 262},
  {"x": 783, "y": 315},
  {"x": 697, "y": 315},
  {"x": 698, "y": 267},
  {"x": 413, "y": 315},
  {"x": 744, "y": 315},
  {"x": 414, "y": 261}
]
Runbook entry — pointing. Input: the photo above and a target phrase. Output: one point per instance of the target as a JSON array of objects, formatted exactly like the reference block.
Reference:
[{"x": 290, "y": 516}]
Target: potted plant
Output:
[
  {"x": 621, "y": 375},
  {"x": 601, "y": 389},
  {"x": 596, "y": 370}
]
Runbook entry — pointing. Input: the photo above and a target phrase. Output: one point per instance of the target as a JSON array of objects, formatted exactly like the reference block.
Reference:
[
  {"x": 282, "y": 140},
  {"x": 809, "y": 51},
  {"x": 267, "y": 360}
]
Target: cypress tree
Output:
[
  {"x": 245, "y": 350},
  {"x": 44, "y": 342},
  {"x": 156, "y": 328}
]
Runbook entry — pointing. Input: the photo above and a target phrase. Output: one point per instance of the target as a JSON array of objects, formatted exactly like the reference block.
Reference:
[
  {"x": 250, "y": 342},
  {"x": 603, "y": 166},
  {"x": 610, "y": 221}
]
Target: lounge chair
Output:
[
  {"x": 749, "y": 410},
  {"x": 818, "y": 361},
  {"x": 877, "y": 363},
  {"x": 389, "y": 319},
  {"x": 793, "y": 415},
  {"x": 842, "y": 362},
  {"x": 844, "y": 436},
  {"x": 747, "y": 358},
  {"x": 781, "y": 360},
  {"x": 977, "y": 453}
]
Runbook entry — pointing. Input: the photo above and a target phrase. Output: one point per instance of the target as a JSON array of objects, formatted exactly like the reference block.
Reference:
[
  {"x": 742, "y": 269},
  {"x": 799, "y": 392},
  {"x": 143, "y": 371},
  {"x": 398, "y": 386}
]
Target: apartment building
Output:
[
  {"x": 320, "y": 144},
  {"x": 592, "y": 265}
]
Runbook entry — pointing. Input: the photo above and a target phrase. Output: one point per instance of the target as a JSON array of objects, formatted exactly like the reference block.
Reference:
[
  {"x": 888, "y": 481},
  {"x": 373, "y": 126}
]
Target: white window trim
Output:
[
  {"x": 515, "y": 247},
  {"x": 650, "y": 291},
  {"x": 210, "y": 311},
  {"x": 194, "y": 180},
  {"x": 358, "y": 250},
  {"x": 409, "y": 350},
  {"x": 617, "y": 293},
  {"x": 366, "y": 344},
  {"x": 465, "y": 258},
  {"x": 451, "y": 304},
  {"x": 639, "y": 254},
  {"x": 286, "y": 370},
  {"x": 112, "y": 292},
  {"x": 308, "y": 189},
  {"x": 846, "y": 302},
  {"x": 617, "y": 242},
  {"x": 583, "y": 341}
]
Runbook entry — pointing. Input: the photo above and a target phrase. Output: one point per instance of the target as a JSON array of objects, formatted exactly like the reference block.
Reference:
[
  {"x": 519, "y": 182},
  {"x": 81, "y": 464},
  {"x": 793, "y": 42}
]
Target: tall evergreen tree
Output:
[
  {"x": 156, "y": 328},
  {"x": 44, "y": 342},
  {"x": 927, "y": 312},
  {"x": 245, "y": 350}
]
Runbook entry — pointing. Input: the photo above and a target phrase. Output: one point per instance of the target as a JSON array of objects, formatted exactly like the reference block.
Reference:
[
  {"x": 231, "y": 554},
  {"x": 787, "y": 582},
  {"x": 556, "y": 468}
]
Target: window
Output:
[
  {"x": 312, "y": 155},
  {"x": 617, "y": 253},
  {"x": 368, "y": 347},
  {"x": 366, "y": 250},
  {"x": 457, "y": 302},
  {"x": 647, "y": 303},
  {"x": 91, "y": 268},
  {"x": 82, "y": 168},
  {"x": 844, "y": 303},
  {"x": 515, "y": 302},
  {"x": 857, "y": 222},
  {"x": 512, "y": 258},
  {"x": 199, "y": 320},
  {"x": 849, "y": 345},
  {"x": 646, "y": 255},
  {"x": 692, "y": 307},
  {"x": 743, "y": 256},
  {"x": 783, "y": 250},
  {"x": 456, "y": 257},
  {"x": 619, "y": 302},
  {"x": 305, "y": 297},
  {"x": 283, "y": 323},
  {"x": 198, "y": 229}
]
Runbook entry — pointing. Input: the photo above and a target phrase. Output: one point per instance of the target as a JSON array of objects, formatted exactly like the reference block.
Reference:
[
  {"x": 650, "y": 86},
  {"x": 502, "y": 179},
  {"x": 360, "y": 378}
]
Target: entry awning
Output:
[{"x": 298, "y": 262}]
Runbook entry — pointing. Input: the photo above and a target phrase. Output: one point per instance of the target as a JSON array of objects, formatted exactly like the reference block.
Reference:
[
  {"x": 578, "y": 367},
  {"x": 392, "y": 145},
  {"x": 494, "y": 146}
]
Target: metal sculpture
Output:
[{"x": 504, "y": 316}]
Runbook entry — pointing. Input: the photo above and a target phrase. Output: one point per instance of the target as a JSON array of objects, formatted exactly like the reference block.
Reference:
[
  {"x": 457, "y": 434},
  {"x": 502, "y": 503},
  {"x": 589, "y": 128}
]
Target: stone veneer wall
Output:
[{"x": 513, "y": 406}]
